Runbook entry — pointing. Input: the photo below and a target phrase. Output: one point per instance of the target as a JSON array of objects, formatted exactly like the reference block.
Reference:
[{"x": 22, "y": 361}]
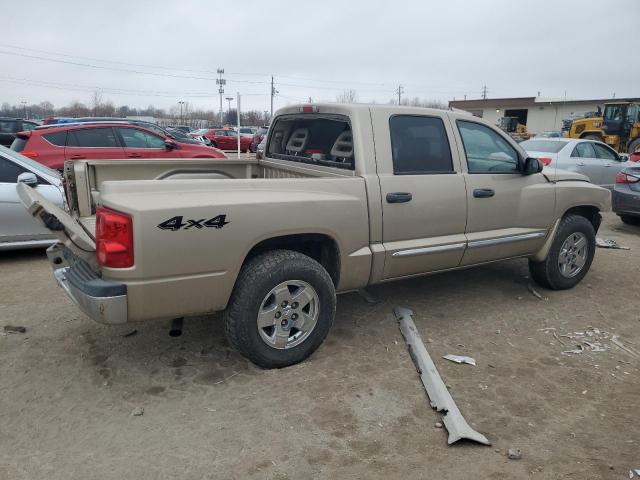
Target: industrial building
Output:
[{"x": 539, "y": 114}]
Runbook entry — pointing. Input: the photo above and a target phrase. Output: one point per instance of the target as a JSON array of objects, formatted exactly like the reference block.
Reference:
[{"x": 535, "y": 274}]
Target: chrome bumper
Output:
[{"x": 103, "y": 301}]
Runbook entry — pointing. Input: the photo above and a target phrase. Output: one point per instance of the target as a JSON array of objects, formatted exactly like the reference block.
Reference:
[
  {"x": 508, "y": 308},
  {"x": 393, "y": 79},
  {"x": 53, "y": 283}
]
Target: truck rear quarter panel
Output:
[{"x": 192, "y": 270}]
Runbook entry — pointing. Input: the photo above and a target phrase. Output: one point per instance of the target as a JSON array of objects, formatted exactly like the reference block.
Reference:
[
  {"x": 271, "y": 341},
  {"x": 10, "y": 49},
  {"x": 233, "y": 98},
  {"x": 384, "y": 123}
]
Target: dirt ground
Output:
[{"x": 355, "y": 409}]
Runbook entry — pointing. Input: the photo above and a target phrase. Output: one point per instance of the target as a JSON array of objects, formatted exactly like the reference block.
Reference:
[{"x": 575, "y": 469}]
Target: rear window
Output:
[
  {"x": 548, "y": 146},
  {"x": 319, "y": 139},
  {"x": 18, "y": 144},
  {"x": 9, "y": 126},
  {"x": 57, "y": 138}
]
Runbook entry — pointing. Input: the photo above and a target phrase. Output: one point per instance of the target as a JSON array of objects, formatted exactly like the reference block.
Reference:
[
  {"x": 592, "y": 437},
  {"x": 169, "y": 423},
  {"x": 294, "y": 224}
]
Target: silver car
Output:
[
  {"x": 18, "y": 228},
  {"x": 594, "y": 159}
]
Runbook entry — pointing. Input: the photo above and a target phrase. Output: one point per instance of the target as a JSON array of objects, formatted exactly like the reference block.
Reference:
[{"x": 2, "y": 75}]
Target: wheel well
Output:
[
  {"x": 590, "y": 134},
  {"x": 591, "y": 213},
  {"x": 322, "y": 248}
]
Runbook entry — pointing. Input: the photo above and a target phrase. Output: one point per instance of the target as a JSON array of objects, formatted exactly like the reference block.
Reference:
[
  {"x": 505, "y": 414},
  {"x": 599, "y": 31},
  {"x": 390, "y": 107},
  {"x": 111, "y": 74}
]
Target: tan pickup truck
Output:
[{"x": 346, "y": 196}]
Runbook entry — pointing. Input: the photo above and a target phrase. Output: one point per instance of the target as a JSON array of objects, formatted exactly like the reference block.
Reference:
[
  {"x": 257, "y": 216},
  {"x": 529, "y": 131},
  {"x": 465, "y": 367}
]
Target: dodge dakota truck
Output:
[{"x": 346, "y": 196}]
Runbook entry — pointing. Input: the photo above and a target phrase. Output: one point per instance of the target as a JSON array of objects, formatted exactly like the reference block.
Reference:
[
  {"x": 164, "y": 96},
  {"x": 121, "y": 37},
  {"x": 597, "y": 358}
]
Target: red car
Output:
[
  {"x": 635, "y": 157},
  {"x": 53, "y": 145},
  {"x": 227, "y": 139}
]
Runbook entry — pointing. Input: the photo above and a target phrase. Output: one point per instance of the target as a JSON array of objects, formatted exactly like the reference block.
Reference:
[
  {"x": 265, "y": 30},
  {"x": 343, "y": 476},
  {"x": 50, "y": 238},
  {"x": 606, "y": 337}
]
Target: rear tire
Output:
[
  {"x": 569, "y": 257},
  {"x": 630, "y": 219},
  {"x": 260, "y": 306},
  {"x": 635, "y": 145}
]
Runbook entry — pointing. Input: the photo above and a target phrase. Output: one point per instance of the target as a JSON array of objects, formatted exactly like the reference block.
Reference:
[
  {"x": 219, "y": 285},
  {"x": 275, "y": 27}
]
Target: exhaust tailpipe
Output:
[{"x": 175, "y": 330}]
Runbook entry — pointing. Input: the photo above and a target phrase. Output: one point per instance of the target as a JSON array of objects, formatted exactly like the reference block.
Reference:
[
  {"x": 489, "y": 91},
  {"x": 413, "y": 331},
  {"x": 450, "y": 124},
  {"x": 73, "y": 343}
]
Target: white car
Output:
[
  {"x": 18, "y": 228},
  {"x": 594, "y": 159}
]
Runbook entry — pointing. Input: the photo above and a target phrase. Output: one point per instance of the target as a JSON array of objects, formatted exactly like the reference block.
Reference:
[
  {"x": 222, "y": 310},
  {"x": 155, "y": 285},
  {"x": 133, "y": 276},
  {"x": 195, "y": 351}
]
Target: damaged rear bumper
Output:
[{"x": 101, "y": 300}]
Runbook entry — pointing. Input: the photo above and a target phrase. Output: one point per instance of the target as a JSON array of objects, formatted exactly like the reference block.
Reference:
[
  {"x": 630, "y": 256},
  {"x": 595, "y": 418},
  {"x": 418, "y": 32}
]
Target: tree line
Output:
[{"x": 195, "y": 117}]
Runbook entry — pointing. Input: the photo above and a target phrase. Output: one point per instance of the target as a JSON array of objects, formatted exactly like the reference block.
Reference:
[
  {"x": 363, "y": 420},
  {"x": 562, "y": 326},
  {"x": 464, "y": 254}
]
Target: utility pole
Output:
[
  {"x": 221, "y": 82},
  {"x": 181, "y": 119},
  {"x": 400, "y": 91},
  {"x": 238, "y": 115},
  {"x": 484, "y": 92},
  {"x": 24, "y": 105},
  {"x": 273, "y": 94}
]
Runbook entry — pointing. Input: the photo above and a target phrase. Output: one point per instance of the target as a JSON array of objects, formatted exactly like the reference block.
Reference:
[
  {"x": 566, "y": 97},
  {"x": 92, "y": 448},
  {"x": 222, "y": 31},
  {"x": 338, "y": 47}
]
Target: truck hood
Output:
[{"x": 558, "y": 175}]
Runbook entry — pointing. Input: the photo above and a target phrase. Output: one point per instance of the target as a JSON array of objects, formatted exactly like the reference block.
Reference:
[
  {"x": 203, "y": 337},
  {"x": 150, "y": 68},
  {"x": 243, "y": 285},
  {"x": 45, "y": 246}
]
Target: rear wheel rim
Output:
[
  {"x": 288, "y": 314},
  {"x": 573, "y": 255}
]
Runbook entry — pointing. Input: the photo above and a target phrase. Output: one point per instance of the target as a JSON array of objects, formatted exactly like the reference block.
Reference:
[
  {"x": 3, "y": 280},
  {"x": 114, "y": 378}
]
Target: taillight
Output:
[
  {"x": 624, "y": 178},
  {"x": 545, "y": 160},
  {"x": 309, "y": 109},
  {"x": 114, "y": 238},
  {"x": 29, "y": 153}
]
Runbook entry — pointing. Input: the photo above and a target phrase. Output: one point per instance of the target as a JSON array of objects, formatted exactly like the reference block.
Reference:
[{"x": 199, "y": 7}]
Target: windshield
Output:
[
  {"x": 27, "y": 161},
  {"x": 548, "y": 146}
]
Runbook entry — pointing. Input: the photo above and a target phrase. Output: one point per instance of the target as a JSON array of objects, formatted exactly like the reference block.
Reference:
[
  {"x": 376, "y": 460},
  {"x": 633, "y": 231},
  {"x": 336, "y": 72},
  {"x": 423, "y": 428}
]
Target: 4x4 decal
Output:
[{"x": 177, "y": 223}]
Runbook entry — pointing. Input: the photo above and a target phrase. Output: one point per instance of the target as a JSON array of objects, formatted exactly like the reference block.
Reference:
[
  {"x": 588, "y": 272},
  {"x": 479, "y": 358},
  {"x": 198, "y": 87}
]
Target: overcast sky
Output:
[{"x": 436, "y": 49}]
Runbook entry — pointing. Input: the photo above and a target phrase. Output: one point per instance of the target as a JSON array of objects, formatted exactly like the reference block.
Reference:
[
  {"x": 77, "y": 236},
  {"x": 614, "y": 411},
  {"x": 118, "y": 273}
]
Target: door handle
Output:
[
  {"x": 77, "y": 157},
  {"x": 134, "y": 155},
  {"x": 607, "y": 164},
  {"x": 484, "y": 192},
  {"x": 399, "y": 197},
  {"x": 580, "y": 164}
]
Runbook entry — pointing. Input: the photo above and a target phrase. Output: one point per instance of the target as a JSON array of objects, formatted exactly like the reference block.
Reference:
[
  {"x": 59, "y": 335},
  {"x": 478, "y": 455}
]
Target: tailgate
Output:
[{"x": 64, "y": 226}]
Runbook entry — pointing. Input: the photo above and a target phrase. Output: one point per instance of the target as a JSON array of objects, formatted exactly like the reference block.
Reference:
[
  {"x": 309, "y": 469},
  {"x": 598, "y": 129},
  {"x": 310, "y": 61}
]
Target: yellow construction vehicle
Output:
[
  {"x": 516, "y": 130},
  {"x": 618, "y": 127}
]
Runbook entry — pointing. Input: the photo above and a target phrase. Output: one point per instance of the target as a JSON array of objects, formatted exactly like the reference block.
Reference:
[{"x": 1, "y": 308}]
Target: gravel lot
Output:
[{"x": 356, "y": 409}]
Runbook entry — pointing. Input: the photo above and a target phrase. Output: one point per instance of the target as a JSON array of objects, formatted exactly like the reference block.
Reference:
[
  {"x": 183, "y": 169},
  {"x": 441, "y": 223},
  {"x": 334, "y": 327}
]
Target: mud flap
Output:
[{"x": 59, "y": 222}]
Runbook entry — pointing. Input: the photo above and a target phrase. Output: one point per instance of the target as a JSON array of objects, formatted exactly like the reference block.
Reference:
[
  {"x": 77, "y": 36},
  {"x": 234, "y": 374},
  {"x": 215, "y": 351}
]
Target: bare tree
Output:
[
  {"x": 347, "y": 96},
  {"x": 96, "y": 101}
]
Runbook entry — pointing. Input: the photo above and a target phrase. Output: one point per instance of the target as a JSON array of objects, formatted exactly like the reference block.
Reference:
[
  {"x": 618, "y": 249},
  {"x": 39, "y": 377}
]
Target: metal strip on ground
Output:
[{"x": 439, "y": 396}]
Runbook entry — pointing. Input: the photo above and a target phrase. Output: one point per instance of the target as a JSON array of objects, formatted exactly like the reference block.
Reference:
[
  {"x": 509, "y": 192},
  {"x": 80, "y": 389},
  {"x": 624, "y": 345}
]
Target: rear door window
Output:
[
  {"x": 93, "y": 137},
  {"x": 583, "y": 150},
  {"x": 419, "y": 145}
]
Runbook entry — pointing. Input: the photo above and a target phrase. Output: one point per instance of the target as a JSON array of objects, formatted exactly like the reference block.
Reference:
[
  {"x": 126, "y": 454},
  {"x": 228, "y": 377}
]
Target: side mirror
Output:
[
  {"x": 170, "y": 144},
  {"x": 623, "y": 157},
  {"x": 531, "y": 166},
  {"x": 28, "y": 178}
]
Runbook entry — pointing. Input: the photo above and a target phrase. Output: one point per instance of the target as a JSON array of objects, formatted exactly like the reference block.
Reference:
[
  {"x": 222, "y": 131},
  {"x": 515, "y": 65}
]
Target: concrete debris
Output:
[
  {"x": 439, "y": 396},
  {"x": 14, "y": 329},
  {"x": 137, "y": 412},
  {"x": 625, "y": 348},
  {"x": 438, "y": 425},
  {"x": 609, "y": 243},
  {"x": 460, "y": 359},
  {"x": 514, "y": 454}
]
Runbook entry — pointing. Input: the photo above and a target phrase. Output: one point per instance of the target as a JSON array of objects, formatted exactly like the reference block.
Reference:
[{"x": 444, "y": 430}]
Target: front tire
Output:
[
  {"x": 569, "y": 257},
  {"x": 281, "y": 309}
]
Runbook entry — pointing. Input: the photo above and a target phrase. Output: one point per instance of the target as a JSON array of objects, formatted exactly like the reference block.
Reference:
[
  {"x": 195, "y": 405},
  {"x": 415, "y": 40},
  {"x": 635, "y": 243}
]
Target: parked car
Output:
[
  {"x": 18, "y": 228},
  {"x": 348, "y": 195},
  {"x": 165, "y": 132},
  {"x": 54, "y": 144},
  {"x": 261, "y": 132},
  {"x": 199, "y": 135},
  {"x": 634, "y": 157},
  {"x": 227, "y": 139},
  {"x": 246, "y": 131},
  {"x": 626, "y": 195},
  {"x": 10, "y": 126},
  {"x": 594, "y": 159},
  {"x": 184, "y": 128},
  {"x": 260, "y": 148}
]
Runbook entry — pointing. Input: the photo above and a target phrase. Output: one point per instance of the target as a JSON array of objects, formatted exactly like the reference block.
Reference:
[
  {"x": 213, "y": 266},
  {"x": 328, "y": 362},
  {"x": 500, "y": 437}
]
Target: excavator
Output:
[{"x": 618, "y": 127}]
